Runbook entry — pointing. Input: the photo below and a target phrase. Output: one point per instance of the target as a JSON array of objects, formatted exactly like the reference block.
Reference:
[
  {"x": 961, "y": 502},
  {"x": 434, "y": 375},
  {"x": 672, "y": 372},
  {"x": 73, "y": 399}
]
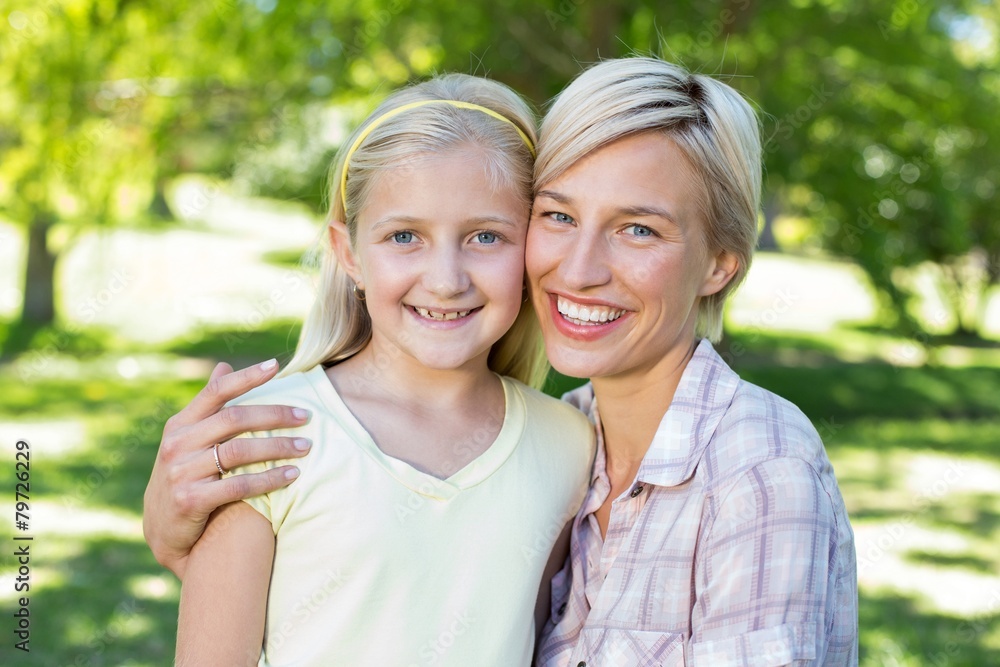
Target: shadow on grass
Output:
[
  {"x": 111, "y": 468},
  {"x": 852, "y": 391},
  {"x": 65, "y": 397},
  {"x": 241, "y": 346},
  {"x": 893, "y": 631},
  {"x": 94, "y": 617},
  {"x": 964, "y": 561},
  {"x": 884, "y": 436},
  {"x": 973, "y": 513},
  {"x": 17, "y": 338},
  {"x": 840, "y": 391},
  {"x": 959, "y": 338}
]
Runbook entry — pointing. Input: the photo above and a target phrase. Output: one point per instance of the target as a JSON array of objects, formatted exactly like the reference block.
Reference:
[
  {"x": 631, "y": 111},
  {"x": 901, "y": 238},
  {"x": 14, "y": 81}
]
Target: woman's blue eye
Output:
[
  {"x": 561, "y": 217},
  {"x": 402, "y": 237},
  {"x": 486, "y": 237},
  {"x": 640, "y": 230}
]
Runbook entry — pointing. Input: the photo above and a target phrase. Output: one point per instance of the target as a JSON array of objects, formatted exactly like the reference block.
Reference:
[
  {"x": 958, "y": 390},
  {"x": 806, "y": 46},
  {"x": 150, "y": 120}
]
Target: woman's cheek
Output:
[{"x": 538, "y": 252}]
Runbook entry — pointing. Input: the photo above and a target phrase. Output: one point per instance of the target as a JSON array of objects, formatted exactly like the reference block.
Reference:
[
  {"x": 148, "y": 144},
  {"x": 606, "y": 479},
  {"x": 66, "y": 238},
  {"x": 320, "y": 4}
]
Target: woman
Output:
[{"x": 714, "y": 532}]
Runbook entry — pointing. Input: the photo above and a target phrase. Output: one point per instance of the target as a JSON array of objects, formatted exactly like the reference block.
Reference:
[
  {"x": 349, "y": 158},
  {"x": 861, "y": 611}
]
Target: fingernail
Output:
[
  {"x": 301, "y": 444},
  {"x": 291, "y": 473},
  {"x": 269, "y": 364},
  {"x": 300, "y": 414}
]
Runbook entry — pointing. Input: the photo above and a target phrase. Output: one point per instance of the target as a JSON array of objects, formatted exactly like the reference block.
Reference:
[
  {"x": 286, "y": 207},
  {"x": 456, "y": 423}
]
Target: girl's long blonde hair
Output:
[{"x": 338, "y": 326}]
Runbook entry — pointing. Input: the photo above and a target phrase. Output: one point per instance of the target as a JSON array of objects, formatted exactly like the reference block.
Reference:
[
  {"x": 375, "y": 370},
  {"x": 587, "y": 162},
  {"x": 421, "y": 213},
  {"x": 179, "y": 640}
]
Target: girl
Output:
[{"x": 419, "y": 528}]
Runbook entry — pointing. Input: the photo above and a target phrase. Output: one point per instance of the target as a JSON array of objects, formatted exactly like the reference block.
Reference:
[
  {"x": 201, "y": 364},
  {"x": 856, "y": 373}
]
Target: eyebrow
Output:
[
  {"x": 638, "y": 211},
  {"x": 476, "y": 220}
]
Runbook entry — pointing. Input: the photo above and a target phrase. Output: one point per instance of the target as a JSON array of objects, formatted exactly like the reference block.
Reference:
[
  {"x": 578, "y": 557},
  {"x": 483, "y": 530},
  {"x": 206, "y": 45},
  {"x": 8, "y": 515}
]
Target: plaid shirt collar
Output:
[{"x": 703, "y": 395}]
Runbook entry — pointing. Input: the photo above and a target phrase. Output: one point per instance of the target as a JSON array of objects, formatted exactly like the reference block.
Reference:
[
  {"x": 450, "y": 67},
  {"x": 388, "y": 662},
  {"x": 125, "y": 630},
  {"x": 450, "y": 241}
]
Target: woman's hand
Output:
[{"x": 185, "y": 486}]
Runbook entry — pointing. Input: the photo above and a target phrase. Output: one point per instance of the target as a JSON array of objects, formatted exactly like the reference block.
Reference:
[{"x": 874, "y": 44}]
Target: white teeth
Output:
[
  {"x": 441, "y": 317},
  {"x": 587, "y": 314}
]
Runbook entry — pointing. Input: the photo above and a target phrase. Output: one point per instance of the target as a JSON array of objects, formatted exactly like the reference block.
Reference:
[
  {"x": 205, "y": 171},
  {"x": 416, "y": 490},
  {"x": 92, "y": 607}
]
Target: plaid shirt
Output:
[{"x": 732, "y": 547}]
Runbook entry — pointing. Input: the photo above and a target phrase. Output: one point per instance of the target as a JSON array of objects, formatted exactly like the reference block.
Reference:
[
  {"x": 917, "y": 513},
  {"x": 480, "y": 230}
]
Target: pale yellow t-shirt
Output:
[{"x": 377, "y": 563}]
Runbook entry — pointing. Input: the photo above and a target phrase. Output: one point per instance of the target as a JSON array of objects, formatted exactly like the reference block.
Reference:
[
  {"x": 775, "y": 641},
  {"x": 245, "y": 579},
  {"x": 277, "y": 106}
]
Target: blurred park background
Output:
[{"x": 162, "y": 167}]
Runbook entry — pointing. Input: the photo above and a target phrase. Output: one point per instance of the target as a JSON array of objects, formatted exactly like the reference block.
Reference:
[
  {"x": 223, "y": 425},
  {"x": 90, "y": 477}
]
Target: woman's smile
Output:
[{"x": 584, "y": 320}]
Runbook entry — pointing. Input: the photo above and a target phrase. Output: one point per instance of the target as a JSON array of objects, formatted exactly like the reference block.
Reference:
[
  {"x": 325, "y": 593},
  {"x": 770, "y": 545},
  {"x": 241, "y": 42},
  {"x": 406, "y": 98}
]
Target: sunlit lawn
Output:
[{"x": 915, "y": 450}]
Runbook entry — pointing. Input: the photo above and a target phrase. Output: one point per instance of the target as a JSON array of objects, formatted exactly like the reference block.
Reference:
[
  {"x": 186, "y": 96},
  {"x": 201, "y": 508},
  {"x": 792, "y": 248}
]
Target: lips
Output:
[
  {"x": 442, "y": 315},
  {"x": 584, "y": 321},
  {"x": 583, "y": 314}
]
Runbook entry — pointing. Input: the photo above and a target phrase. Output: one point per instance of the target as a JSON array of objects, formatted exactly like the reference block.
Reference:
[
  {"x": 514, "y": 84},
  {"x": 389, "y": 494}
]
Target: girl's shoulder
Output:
[
  {"x": 536, "y": 399},
  {"x": 282, "y": 388},
  {"x": 559, "y": 439},
  {"x": 551, "y": 414}
]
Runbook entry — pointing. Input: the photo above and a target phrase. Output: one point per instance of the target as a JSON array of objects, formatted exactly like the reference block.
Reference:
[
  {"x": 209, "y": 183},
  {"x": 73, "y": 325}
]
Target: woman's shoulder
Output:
[
  {"x": 759, "y": 426},
  {"x": 766, "y": 411}
]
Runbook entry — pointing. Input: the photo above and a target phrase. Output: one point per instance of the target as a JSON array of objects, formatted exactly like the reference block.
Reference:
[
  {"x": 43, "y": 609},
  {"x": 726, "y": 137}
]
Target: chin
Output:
[
  {"x": 575, "y": 363},
  {"x": 448, "y": 360}
]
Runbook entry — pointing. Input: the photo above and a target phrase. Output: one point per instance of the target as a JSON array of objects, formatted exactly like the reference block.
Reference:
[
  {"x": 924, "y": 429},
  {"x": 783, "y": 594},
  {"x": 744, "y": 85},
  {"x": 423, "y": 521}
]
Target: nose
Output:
[
  {"x": 585, "y": 261},
  {"x": 446, "y": 274}
]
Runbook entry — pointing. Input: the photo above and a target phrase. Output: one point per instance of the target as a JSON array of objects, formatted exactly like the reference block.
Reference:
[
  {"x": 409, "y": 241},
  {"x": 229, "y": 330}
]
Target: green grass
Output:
[
  {"x": 99, "y": 598},
  {"x": 240, "y": 347}
]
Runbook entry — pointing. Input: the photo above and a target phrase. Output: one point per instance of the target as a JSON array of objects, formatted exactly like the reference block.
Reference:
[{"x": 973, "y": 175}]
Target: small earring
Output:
[{"x": 359, "y": 294}]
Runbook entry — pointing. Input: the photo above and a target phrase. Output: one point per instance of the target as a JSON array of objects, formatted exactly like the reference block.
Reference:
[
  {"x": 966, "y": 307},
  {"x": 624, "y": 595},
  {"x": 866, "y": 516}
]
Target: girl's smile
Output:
[{"x": 442, "y": 318}]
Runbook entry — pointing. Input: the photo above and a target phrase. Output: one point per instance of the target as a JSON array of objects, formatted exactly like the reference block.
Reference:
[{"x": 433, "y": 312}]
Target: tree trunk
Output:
[
  {"x": 771, "y": 210},
  {"x": 605, "y": 23},
  {"x": 39, "y": 276}
]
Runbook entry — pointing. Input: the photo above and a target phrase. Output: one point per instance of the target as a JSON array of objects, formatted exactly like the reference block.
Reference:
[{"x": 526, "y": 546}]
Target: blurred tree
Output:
[
  {"x": 79, "y": 117},
  {"x": 879, "y": 118},
  {"x": 103, "y": 101}
]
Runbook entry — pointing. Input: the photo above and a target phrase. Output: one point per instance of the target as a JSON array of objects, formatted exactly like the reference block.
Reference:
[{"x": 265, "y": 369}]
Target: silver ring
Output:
[{"x": 215, "y": 450}]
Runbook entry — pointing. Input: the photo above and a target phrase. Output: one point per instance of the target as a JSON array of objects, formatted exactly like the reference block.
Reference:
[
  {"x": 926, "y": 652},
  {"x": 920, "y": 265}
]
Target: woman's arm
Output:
[
  {"x": 184, "y": 487},
  {"x": 224, "y": 596},
  {"x": 775, "y": 572}
]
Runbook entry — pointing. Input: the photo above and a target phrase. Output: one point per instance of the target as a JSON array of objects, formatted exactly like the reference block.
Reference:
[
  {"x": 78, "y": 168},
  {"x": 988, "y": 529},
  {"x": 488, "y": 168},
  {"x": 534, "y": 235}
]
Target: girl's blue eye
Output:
[
  {"x": 640, "y": 230},
  {"x": 486, "y": 237},
  {"x": 402, "y": 237},
  {"x": 561, "y": 217}
]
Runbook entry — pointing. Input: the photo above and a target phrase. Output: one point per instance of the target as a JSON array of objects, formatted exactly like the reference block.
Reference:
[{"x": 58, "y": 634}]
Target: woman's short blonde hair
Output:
[
  {"x": 338, "y": 326},
  {"x": 711, "y": 123}
]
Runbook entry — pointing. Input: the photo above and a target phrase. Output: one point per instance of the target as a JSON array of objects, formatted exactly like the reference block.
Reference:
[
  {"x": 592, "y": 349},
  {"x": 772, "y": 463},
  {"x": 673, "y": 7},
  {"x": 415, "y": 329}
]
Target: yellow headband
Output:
[{"x": 412, "y": 105}]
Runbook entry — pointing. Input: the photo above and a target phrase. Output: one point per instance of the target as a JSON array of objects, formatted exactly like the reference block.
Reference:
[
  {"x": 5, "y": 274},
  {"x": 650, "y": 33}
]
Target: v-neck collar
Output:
[{"x": 475, "y": 472}]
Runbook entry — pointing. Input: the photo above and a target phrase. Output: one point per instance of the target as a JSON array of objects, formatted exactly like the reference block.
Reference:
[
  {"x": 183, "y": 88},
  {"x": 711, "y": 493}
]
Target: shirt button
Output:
[
  {"x": 636, "y": 491},
  {"x": 581, "y": 664}
]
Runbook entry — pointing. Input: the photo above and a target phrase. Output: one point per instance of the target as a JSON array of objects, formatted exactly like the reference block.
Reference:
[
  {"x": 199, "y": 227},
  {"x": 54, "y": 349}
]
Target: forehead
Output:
[
  {"x": 640, "y": 170},
  {"x": 442, "y": 186}
]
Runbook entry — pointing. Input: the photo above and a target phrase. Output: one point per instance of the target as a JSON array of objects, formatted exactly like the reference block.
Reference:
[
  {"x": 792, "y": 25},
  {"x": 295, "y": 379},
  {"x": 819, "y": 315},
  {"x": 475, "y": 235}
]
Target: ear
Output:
[
  {"x": 340, "y": 241},
  {"x": 721, "y": 270}
]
